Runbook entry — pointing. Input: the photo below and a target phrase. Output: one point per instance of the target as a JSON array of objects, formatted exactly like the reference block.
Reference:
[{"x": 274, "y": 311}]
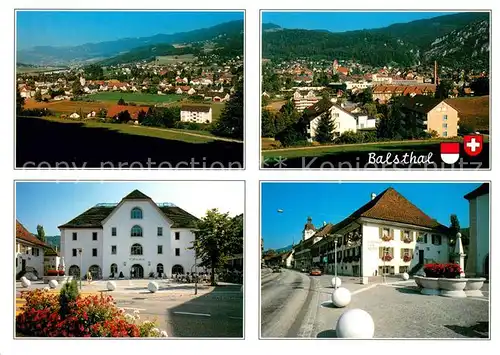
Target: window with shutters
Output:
[
  {"x": 436, "y": 239},
  {"x": 386, "y": 234}
]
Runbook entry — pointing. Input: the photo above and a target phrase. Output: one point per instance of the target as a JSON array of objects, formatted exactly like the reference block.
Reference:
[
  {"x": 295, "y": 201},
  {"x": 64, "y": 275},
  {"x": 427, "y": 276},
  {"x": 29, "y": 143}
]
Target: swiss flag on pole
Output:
[
  {"x": 473, "y": 145},
  {"x": 450, "y": 152}
]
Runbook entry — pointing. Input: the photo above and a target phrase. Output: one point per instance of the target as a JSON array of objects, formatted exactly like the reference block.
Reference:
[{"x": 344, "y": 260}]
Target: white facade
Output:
[
  {"x": 365, "y": 122},
  {"x": 343, "y": 122},
  {"x": 303, "y": 100},
  {"x": 197, "y": 116},
  {"x": 29, "y": 256},
  {"x": 357, "y": 85},
  {"x": 421, "y": 248},
  {"x": 110, "y": 248},
  {"x": 479, "y": 229}
]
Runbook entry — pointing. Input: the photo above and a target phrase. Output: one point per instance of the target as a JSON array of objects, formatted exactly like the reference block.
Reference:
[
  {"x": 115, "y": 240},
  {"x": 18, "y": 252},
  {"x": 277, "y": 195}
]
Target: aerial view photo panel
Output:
[
  {"x": 164, "y": 90},
  {"x": 375, "y": 89}
]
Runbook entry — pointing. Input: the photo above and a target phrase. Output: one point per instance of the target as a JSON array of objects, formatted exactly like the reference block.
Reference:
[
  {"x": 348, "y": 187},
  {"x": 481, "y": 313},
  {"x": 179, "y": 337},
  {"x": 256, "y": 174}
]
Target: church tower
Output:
[{"x": 309, "y": 229}]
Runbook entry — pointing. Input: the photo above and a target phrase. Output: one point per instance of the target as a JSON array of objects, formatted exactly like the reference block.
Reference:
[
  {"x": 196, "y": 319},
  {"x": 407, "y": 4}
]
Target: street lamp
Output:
[
  {"x": 335, "y": 244},
  {"x": 80, "y": 251},
  {"x": 196, "y": 277}
]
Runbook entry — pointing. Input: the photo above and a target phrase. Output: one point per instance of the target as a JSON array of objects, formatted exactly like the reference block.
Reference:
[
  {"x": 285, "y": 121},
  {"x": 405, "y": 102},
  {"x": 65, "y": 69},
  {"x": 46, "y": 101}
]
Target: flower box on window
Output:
[
  {"x": 387, "y": 238},
  {"x": 387, "y": 257},
  {"x": 407, "y": 258}
]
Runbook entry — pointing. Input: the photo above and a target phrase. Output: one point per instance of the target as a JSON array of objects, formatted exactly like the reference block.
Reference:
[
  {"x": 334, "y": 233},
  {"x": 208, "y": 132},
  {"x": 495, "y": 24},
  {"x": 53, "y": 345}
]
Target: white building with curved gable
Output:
[{"x": 135, "y": 237}]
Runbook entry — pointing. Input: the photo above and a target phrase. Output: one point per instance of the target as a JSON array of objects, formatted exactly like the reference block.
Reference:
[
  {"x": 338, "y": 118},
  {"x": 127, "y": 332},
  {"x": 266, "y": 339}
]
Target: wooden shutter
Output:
[
  {"x": 380, "y": 252},
  {"x": 392, "y": 251},
  {"x": 402, "y": 253},
  {"x": 380, "y": 232},
  {"x": 401, "y": 235},
  {"x": 391, "y": 233}
]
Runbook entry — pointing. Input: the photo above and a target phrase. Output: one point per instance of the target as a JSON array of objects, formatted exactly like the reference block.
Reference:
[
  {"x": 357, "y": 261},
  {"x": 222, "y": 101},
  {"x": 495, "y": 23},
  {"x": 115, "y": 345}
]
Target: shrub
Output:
[
  {"x": 450, "y": 270},
  {"x": 68, "y": 294},
  {"x": 60, "y": 272},
  {"x": 121, "y": 275}
]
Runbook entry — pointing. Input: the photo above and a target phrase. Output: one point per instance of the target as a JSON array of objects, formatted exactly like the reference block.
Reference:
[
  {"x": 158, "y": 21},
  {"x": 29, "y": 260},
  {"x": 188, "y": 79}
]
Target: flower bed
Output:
[
  {"x": 92, "y": 316},
  {"x": 55, "y": 273},
  {"x": 59, "y": 279},
  {"x": 451, "y": 271}
]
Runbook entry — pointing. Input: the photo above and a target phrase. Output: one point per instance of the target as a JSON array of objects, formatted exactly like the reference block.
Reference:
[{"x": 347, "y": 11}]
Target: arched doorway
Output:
[
  {"x": 159, "y": 269},
  {"x": 95, "y": 271},
  {"x": 136, "y": 271},
  {"x": 177, "y": 269},
  {"x": 74, "y": 271},
  {"x": 114, "y": 270},
  {"x": 487, "y": 265}
]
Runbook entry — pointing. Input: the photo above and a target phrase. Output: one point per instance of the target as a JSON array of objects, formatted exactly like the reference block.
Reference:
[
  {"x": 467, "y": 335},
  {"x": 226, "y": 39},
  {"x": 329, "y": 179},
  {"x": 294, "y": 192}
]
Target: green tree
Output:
[
  {"x": 366, "y": 96},
  {"x": 40, "y": 233},
  {"x": 217, "y": 238},
  {"x": 76, "y": 88},
  {"x": 370, "y": 109},
  {"x": 267, "y": 123},
  {"x": 230, "y": 122},
  {"x": 443, "y": 89},
  {"x": 19, "y": 102},
  {"x": 38, "y": 96},
  {"x": 324, "y": 131},
  {"x": 93, "y": 72},
  {"x": 454, "y": 228},
  {"x": 121, "y": 102},
  {"x": 124, "y": 116}
]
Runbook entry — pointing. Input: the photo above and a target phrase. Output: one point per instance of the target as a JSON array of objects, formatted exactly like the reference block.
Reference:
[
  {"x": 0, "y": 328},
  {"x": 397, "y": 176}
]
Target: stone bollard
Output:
[
  {"x": 25, "y": 282},
  {"x": 53, "y": 283},
  {"x": 355, "y": 323},
  {"x": 405, "y": 276},
  {"x": 153, "y": 287},
  {"x": 336, "y": 281},
  {"x": 341, "y": 297},
  {"x": 111, "y": 285}
]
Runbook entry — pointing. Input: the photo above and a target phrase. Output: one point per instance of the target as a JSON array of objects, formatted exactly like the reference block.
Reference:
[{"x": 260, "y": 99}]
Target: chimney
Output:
[{"x": 373, "y": 195}]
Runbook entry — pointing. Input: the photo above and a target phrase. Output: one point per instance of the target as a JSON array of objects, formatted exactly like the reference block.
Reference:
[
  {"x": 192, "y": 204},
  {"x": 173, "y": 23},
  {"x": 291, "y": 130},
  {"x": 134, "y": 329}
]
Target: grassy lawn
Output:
[
  {"x": 141, "y": 130},
  {"x": 171, "y": 59},
  {"x": 135, "y": 97},
  {"x": 339, "y": 149}
]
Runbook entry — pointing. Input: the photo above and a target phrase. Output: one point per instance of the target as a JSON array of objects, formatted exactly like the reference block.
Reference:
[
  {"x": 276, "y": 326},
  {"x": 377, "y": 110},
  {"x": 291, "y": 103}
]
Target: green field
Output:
[
  {"x": 346, "y": 148},
  {"x": 177, "y": 134},
  {"x": 135, "y": 97}
]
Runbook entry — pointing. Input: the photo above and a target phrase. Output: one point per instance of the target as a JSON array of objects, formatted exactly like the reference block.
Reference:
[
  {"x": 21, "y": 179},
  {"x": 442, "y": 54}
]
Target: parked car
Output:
[
  {"x": 315, "y": 272},
  {"x": 276, "y": 269}
]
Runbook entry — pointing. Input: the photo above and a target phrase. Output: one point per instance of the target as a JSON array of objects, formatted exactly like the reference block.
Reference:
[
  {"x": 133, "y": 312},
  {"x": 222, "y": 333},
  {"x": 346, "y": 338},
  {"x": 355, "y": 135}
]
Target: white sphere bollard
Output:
[
  {"x": 336, "y": 281},
  {"x": 53, "y": 283},
  {"x": 153, "y": 287},
  {"x": 46, "y": 288},
  {"x": 355, "y": 323},
  {"x": 111, "y": 285},
  {"x": 25, "y": 282},
  {"x": 341, "y": 297},
  {"x": 405, "y": 276}
]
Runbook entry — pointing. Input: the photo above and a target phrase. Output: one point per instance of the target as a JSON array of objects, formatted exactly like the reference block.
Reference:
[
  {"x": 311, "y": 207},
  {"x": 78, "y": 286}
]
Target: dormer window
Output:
[{"x": 136, "y": 213}]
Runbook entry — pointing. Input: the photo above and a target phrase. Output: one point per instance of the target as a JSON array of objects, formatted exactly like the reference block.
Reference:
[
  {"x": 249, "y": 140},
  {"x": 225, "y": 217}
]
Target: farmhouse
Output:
[
  {"x": 387, "y": 235},
  {"x": 135, "y": 237},
  {"x": 29, "y": 253},
  {"x": 343, "y": 120},
  {"x": 196, "y": 113}
]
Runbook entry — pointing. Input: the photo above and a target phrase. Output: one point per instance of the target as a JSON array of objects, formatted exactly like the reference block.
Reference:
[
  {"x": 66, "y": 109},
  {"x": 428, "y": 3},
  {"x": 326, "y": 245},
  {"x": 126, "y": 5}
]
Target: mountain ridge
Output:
[{"x": 94, "y": 51}]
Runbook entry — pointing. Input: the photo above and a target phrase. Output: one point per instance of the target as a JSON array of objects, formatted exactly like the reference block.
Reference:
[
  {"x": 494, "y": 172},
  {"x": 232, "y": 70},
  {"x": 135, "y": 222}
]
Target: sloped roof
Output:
[
  {"x": 321, "y": 107},
  {"x": 391, "y": 206},
  {"x": 23, "y": 234},
  {"x": 481, "y": 190},
  {"x": 93, "y": 217},
  {"x": 136, "y": 195},
  {"x": 419, "y": 103},
  {"x": 309, "y": 225},
  {"x": 324, "y": 230},
  {"x": 195, "y": 108}
]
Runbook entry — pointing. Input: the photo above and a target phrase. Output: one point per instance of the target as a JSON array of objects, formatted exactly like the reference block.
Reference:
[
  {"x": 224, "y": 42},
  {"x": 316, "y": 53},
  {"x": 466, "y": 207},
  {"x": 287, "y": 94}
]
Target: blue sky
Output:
[
  {"x": 63, "y": 28},
  {"x": 52, "y": 204},
  {"x": 343, "y": 21},
  {"x": 332, "y": 202}
]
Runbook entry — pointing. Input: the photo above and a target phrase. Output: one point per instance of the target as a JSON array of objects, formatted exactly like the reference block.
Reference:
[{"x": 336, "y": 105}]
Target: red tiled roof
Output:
[
  {"x": 133, "y": 110},
  {"x": 391, "y": 206},
  {"x": 23, "y": 234}
]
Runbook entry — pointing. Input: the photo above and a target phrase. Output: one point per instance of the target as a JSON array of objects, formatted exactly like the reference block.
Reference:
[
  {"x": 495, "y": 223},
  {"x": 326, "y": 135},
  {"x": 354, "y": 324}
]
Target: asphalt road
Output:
[
  {"x": 296, "y": 305},
  {"x": 216, "y": 314}
]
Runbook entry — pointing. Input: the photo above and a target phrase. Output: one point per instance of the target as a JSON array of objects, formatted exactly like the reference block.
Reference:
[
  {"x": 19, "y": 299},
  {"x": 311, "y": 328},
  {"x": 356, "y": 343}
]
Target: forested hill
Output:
[
  {"x": 460, "y": 36},
  {"x": 51, "y": 55}
]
